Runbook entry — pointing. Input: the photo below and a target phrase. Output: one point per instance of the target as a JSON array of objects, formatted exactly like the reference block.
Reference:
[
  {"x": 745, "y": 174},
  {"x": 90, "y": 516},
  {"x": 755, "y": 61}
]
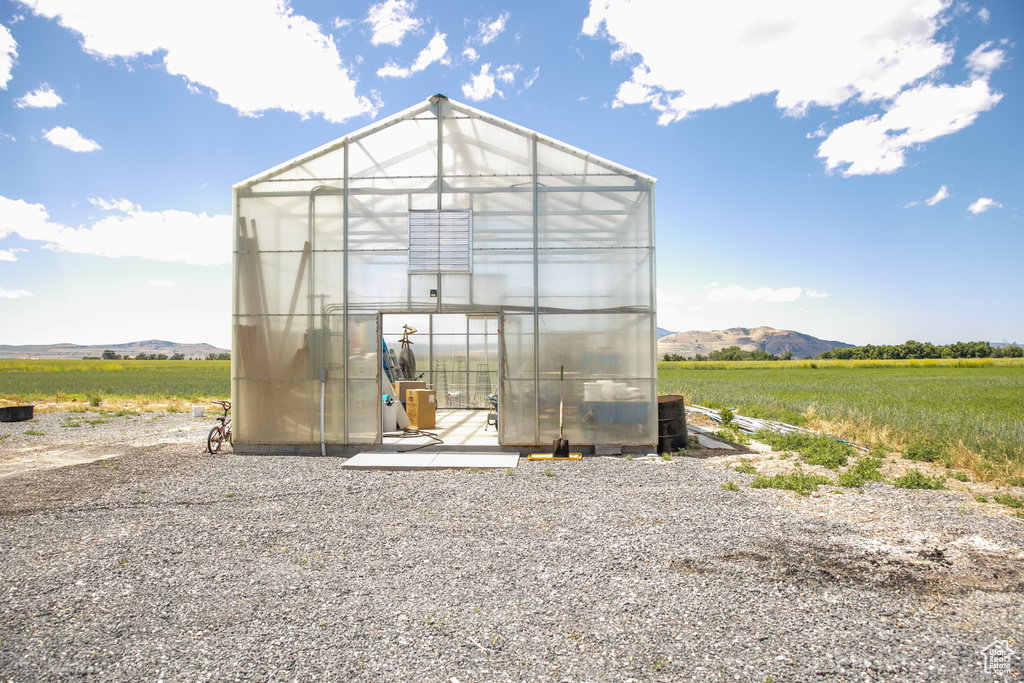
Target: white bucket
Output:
[{"x": 198, "y": 411}]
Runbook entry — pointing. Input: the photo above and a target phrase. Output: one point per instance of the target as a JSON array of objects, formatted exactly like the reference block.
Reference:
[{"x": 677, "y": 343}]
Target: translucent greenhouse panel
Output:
[
  {"x": 364, "y": 368},
  {"x": 377, "y": 280},
  {"x": 455, "y": 291},
  {"x": 503, "y": 278},
  {"x": 556, "y": 161},
  {"x": 594, "y": 219},
  {"x": 473, "y": 147},
  {"x": 573, "y": 279},
  {"x": 610, "y": 376},
  {"x": 281, "y": 223},
  {"x": 407, "y": 149},
  {"x": 503, "y": 220},
  {"x": 599, "y": 345},
  {"x": 273, "y": 283},
  {"x": 274, "y": 412},
  {"x": 517, "y": 409},
  {"x": 388, "y": 228},
  {"x": 328, "y": 221},
  {"x": 271, "y": 346}
]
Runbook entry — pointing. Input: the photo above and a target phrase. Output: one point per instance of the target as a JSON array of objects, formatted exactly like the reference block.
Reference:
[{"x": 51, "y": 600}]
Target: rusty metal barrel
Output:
[{"x": 671, "y": 424}]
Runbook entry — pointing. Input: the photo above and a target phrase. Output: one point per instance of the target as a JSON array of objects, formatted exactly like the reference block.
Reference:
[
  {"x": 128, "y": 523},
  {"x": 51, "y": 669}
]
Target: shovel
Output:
[{"x": 561, "y": 445}]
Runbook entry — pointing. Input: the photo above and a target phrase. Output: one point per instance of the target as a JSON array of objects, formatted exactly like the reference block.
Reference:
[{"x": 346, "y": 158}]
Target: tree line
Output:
[
  {"x": 911, "y": 350},
  {"x": 733, "y": 353},
  {"x": 111, "y": 355},
  {"x": 924, "y": 350}
]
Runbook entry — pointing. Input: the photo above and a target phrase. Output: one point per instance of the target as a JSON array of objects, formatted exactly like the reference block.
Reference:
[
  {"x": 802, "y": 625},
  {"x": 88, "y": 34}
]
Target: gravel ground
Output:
[{"x": 162, "y": 563}]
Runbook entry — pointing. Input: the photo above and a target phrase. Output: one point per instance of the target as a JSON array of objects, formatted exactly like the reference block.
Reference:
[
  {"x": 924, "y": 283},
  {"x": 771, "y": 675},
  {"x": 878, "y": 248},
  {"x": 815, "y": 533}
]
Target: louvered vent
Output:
[{"x": 439, "y": 242}]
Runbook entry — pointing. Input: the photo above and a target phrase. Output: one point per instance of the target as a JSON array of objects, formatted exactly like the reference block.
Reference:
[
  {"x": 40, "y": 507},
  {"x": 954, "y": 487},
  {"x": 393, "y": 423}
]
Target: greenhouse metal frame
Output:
[{"x": 451, "y": 217}]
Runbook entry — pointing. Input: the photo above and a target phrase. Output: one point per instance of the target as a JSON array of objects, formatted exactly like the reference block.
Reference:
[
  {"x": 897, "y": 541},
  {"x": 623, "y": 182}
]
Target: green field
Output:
[
  {"x": 973, "y": 410},
  {"x": 62, "y": 380}
]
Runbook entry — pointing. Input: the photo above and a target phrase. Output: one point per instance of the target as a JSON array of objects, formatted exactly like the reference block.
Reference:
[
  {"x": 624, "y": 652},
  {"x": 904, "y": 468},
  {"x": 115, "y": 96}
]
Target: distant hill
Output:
[
  {"x": 662, "y": 332},
  {"x": 133, "y": 349},
  {"x": 776, "y": 342}
]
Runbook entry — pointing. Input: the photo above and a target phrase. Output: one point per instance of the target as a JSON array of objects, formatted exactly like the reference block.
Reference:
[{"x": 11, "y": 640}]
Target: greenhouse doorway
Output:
[{"x": 457, "y": 355}]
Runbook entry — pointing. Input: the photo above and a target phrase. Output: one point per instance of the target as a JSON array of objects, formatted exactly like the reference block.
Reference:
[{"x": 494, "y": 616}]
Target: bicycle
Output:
[{"x": 221, "y": 432}]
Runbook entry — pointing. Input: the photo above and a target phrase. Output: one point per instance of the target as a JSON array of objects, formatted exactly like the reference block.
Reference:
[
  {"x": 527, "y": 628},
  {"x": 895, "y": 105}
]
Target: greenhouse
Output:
[{"x": 524, "y": 265}]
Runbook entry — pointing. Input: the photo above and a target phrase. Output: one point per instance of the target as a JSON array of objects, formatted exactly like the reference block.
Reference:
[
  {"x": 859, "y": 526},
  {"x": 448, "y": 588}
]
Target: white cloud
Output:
[
  {"x": 804, "y": 53},
  {"x": 435, "y": 51},
  {"x": 489, "y": 30},
  {"x": 9, "y": 254},
  {"x": 69, "y": 138},
  {"x": 481, "y": 86},
  {"x": 983, "y": 204},
  {"x": 868, "y": 50},
  {"x": 530, "y": 81},
  {"x": 470, "y": 54},
  {"x": 43, "y": 97},
  {"x": 392, "y": 70},
  {"x": 391, "y": 20},
  {"x": 14, "y": 293},
  {"x": 122, "y": 205},
  {"x": 984, "y": 61},
  {"x": 507, "y": 73},
  {"x": 169, "y": 236},
  {"x": 761, "y": 294},
  {"x": 815, "y": 294},
  {"x": 877, "y": 144},
  {"x": 161, "y": 283},
  {"x": 341, "y": 24},
  {"x": 943, "y": 193},
  {"x": 984, "y": 15},
  {"x": 8, "y": 53},
  {"x": 255, "y": 54}
]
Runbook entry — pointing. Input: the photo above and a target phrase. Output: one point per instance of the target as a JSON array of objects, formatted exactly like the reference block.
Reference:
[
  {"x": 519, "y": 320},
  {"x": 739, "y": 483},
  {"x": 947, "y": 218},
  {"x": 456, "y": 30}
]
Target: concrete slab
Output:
[{"x": 431, "y": 461}]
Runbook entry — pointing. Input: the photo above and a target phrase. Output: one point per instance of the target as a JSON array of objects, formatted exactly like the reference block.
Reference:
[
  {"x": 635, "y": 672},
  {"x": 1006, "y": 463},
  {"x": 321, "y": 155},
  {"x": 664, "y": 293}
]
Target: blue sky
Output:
[{"x": 852, "y": 170}]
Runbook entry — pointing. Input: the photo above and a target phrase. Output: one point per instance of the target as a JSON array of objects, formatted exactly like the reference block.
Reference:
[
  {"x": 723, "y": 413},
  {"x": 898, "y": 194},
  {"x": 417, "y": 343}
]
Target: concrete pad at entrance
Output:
[{"x": 431, "y": 461}]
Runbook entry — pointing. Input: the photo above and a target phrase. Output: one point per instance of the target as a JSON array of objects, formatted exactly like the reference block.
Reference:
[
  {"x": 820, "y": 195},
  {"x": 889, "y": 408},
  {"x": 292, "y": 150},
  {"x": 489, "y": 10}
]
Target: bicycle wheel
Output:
[{"x": 216, "y": 438}]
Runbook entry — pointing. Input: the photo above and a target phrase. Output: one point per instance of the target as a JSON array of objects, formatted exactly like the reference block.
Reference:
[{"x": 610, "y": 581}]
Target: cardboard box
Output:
[
  {"x": 421, "y": 405},
  {"x": 403, "y": 386}
]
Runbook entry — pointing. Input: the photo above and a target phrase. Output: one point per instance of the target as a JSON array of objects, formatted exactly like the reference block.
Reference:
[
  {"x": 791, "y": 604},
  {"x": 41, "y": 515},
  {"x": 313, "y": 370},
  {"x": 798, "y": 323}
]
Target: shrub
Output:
[
  {"x": 863, "y": 471},
  {"x": 745, "y": 467},
  {"x": 804, "y": 484},
  {"x": 730, "y": 486},
  {"x": 914, "y": 479},
  {"x": 920, "y": 452},
  {"x": 816, "y": 449},
  {"x": 1008, "y": 500}
]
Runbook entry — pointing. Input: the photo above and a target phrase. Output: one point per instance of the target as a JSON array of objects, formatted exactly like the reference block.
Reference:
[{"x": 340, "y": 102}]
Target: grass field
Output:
[
  {"x": 120, "y": 381},
  {"x": 972, "y": 410}
]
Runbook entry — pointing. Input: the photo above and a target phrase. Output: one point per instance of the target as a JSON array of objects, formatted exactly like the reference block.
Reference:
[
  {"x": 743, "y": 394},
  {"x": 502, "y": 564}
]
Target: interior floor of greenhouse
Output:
[{"x": 456, "y": 429}]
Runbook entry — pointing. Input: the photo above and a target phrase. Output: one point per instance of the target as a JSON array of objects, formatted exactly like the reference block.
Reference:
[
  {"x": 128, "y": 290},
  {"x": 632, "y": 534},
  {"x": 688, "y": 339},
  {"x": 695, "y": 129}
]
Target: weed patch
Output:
[
  {"x": 816, "y": 449},
  {"x": 804, "y": 484},
  {"x": 1008, "y": 500},
  {"x": 730, "y": 486},
  {"x": 861, "y": 472},
  {"x": 745, "y": 467},
  {"x": 920, "y": 452},
  {"x": 914, "y": 479}
]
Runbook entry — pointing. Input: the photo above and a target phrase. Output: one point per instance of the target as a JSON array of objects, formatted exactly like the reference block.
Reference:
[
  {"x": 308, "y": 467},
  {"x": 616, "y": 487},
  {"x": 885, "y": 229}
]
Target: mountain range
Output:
[
  {"x": 768, "y": 339},
  {"x": 680, "y": 343},
  {"x": 154, "y": 346}
]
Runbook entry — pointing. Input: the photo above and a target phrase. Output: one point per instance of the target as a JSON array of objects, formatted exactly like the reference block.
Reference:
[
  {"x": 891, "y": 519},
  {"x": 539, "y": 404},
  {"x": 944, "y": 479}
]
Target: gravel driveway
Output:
[{"x": 162, "y": 563}]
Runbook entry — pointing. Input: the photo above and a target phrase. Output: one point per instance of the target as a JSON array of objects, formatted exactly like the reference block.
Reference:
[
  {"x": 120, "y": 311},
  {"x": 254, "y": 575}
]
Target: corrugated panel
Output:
[{"x": 439, "y": 241}]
